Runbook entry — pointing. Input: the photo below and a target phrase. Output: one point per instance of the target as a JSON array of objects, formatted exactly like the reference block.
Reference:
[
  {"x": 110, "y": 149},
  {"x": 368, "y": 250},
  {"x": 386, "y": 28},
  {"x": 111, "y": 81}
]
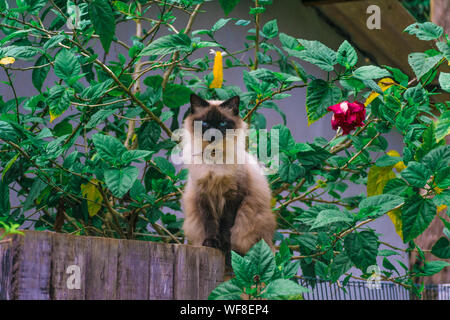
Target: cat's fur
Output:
[{"x": 227, "y": 206}]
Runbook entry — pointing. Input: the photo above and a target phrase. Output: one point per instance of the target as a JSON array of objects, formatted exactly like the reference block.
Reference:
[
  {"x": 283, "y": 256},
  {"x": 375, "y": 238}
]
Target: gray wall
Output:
[{"x": 293, "y": 19}]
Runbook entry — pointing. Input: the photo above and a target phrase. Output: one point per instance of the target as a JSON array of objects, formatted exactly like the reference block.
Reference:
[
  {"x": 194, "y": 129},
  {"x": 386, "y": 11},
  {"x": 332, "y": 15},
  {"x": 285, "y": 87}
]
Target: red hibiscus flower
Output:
[{"x": 347, "y": 115}]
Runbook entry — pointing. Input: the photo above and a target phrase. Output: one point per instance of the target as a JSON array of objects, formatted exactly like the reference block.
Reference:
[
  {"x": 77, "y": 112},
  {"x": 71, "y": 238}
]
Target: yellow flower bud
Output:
[
  {"x": 7, "y": 60},
  {"x": 217, "y": 71}
]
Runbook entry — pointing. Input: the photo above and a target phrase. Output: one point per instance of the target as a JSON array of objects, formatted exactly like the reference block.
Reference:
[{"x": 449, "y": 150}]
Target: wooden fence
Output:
[{"x": 54, "y": 266}]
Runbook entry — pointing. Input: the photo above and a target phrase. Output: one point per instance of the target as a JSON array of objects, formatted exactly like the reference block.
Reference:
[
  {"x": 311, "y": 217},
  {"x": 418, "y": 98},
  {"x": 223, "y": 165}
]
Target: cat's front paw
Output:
[{"x": 213, "y": 243}]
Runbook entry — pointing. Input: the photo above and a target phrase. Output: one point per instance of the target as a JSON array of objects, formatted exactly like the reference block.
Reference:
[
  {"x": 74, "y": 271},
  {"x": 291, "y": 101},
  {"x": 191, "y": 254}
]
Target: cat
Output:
[{"x": 227, "y": 205}]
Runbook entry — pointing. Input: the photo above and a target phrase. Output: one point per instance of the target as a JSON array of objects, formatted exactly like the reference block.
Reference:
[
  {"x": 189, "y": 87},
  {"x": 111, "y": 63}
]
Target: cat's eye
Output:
[
  {"x": 204, "y": 124},
  {"x": 223, "y": 124}
]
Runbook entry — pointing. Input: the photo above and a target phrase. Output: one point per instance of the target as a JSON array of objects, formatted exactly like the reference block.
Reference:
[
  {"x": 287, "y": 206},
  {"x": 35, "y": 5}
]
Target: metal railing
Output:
[{"x": 358, "y": 290}]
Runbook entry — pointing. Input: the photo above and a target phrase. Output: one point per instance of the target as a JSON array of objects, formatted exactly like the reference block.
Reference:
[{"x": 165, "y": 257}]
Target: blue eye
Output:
[
  {"x": 223, "y": 124},
  {"x": 204, "y": 124}
]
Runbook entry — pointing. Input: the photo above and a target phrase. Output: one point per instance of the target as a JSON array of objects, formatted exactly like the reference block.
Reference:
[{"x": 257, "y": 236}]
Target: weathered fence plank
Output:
[
  {"x": 5, "y": 269},
  {"x": 162, "y": 259},
  {"x": 133, "y": 270},
  {"x": 31, "y": 266},
  {"x": 187, "y": 284},
  {"x": 46, "y": 266},
  {"x": 69, "y": 257}
]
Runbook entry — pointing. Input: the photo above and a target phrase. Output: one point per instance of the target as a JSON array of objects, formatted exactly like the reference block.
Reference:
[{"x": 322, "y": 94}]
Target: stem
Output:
[
  {"x": 15, "y": 94},
  {"x": 257, "y": 26}
]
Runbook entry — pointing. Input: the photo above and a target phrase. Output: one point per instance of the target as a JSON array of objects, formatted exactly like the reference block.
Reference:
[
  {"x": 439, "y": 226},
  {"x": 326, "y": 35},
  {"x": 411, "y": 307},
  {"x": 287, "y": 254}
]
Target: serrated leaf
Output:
[
  {"x": 109, "y": 148},
  {"x": 416, "y": 174},
  {"x": 417, "y": 214},
  {"x": 282, "y": 289},
  {"x": 346, "y": 55},
  {"x": 226, "y": 291},
  {"x": 243, "y": 269},
  {"x": 176, "y": 95},
  {"x": 421, "y": 63},
  {"x": 168, "y": 44},
  {"x": 370, "y": 73},
  {"x": 384, "y": 202},
  {"x": 441, "y": 248},
  {"x": 326, "y": 217},
  {"x": 425, "y": 31},
  {"x": 228, "y": 5},
  {"x": 316, "y": 53},
  {"x": 119, "y": 181},
  {"x": 444, "y": 81},
  {"x": 362, "y": 248},
  {"x": 319, "y": 96},
  {"x": 263, "y": 259},
  {"x": 39, "y": 75},
  {"x": 66, "y": 65},
  {"x": 102, "y": 18}
]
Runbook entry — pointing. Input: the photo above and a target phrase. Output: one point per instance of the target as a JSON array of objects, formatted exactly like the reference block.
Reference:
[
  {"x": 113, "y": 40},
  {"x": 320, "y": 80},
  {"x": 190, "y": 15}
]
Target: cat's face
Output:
[
  {"x": 216, "y": 115},
  {"x": 216, "y": 132}
]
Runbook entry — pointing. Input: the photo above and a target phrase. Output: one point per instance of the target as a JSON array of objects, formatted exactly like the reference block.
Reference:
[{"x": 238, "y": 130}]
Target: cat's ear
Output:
[
  {"x": 233, "y": 104},
  {"x": 197, "y": 103}
]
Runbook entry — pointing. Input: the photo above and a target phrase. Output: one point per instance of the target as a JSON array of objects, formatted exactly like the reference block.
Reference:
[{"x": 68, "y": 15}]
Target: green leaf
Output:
[
  {"x": 7, "y": 131},
  {"x": 370, "y": 73},
  {"x": 40, "y": 74},
  {"x": 433, "y": 267},
  {"x": 362, "y": 248},
  {"x": 388, "y": 265},
  {"x": 148, "y": 135},
  {"x": 168, "y": 44},
  {"x": 387, "y": 161},
  {"x": 442, "y": 126},
  {"x": 165, "y": 166},
  {"x": 340, "y": 265},
  {"x": 4, "y": 198},
  {"x": 290, "y": 172},
  {"x": 287, "y": 41},
  {"x": 102, "y": 18},
  {"x": 437, "y": 159},
  {"x": 226, "y": 291},
  {"x": 441, "y": 248},
  {"x": 346, "y": 55},
  {"x": 417, "y": 214},
  {"x": 416, "y": 174},
  {"x": 282, "y": 289},
  {"x": 228, "y": 5},
  {"x": 319, "y": 96},
  {"x": 97, "y": 90},
  {"x": 316, "y": 53},
  {"x": 442, "y": 178},
  {"x": 20, "y": 52},
  {"x": 270, "y": 29},
  {"x": 444, "y": 81},
  {"x": 119, "y": 181},
  {"x": 109, "y": 148},
  {"x": 58, "y": 100},
  {"x": 263, "y": 259},
  {"x": 133, "y": 155},
  {"x": 425, "y": 31},
  {"x": 444, "y": 47},
  {"x": 383, "y": 202},
  {"x": 66, "y": 65},
  {"x": 219, "y": 24},
  {"x": 329, "y": 216},
  {"x": 54, "y": 41},
  {"x": 243, "y": 269},
  {"x": 421, "y": 63},
  {"x": 176, "y": 95},
  {"x": 98, "y": 117}
]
